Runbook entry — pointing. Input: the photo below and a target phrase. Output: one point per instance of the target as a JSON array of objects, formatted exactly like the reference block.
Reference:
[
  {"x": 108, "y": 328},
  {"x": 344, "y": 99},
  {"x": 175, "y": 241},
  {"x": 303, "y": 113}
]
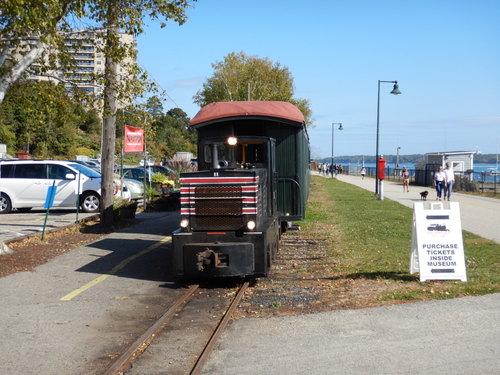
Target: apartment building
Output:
[{"x": 85, "y": 48}]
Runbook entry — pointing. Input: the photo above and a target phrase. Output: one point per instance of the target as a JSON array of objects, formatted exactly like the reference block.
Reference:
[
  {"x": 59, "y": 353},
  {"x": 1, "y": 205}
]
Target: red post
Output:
[{"x": 381, "y": 168}]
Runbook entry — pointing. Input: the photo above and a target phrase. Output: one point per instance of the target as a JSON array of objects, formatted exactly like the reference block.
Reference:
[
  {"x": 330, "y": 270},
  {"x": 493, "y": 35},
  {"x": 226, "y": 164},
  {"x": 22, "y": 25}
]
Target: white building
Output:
[{"x": 460, "y": 161}]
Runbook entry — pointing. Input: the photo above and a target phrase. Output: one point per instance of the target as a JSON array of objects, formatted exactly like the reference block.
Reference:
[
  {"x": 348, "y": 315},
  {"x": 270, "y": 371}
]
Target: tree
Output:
[
  {"x": 154, "y": 107},
  {"x": 39, "y": 118},
  {"x": 126, "y": 15},
  {"x": 241, "y": 77},
  {"x": 28, "y": 28},
  {"x": 173, "y": 134}
]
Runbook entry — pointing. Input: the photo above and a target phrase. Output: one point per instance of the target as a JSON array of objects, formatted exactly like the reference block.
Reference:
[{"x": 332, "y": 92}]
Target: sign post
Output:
[
  {"x": 77, "y": 193},
  {"x": 49, "y": 201},
  {"x": 437, "y": 249}
]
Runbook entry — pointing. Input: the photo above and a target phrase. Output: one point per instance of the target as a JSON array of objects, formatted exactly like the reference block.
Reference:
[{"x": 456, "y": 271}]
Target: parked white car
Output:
[{"x": 24, "y": 184}]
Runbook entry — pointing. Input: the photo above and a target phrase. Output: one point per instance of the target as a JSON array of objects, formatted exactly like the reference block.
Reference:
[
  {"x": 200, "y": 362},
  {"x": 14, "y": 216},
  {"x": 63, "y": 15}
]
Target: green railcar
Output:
[{"x": 253, "y": 179}]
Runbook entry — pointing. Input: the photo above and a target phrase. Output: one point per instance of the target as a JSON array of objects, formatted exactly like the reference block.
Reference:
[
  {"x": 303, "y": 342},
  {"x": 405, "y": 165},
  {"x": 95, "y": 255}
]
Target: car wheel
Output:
[
  {"x": 90, "y": 202},
  {"x": 5, "y": 205}
]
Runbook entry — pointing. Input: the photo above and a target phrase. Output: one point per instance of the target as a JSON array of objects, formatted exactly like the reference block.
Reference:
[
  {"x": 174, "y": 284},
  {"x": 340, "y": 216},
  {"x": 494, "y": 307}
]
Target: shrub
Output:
[{"x": 160, "y": 178}]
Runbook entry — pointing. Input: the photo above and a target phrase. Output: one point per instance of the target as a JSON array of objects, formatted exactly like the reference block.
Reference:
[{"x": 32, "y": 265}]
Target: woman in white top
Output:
[{"x": 439, "y": 182}]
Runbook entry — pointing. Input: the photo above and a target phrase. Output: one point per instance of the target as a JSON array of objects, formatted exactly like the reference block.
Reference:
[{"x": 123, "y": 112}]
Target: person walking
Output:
[
  {"x": 450, "y": 179},
  {"x": 363, "y": 172},
  {"x": 439, "y": 182},
  {"x": 406, "y": 180}
]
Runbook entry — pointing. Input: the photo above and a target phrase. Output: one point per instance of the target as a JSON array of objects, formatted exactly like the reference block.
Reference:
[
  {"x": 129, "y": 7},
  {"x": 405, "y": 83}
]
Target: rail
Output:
[{"x": 134, "y": 351}]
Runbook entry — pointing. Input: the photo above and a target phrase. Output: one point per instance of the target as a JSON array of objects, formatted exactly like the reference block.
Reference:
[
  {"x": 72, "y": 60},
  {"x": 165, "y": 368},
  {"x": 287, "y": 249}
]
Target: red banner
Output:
[{"x": 134, "y": 139}]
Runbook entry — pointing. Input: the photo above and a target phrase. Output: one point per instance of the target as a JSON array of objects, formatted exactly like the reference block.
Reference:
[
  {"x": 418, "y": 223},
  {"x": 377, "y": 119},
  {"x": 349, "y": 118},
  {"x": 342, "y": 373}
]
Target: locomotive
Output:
[{"x": 252, "y": 182}]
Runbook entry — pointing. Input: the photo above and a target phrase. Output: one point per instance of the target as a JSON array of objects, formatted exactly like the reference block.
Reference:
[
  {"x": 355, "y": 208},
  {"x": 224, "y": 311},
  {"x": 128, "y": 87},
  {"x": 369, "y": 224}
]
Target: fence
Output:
[{"x": 464, "y": 181}]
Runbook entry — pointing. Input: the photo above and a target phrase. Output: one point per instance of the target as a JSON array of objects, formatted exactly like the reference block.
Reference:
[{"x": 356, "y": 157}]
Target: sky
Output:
[{"x": 445, "y": 55}]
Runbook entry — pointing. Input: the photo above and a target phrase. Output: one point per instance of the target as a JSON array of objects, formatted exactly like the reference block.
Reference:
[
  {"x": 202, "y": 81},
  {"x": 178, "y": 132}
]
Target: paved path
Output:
[
  {"x": 479, "y": 215},
  {"x": 459, "y": 336}
]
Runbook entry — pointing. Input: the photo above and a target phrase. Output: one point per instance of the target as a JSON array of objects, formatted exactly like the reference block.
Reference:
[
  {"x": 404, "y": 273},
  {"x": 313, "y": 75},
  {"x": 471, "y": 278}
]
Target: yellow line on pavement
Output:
[{"x": 115, "y": 269}]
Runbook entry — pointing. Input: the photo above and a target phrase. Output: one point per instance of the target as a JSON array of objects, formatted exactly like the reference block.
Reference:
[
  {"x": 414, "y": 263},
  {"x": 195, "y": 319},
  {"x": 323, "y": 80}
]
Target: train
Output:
[{"x": 252, "y": 182}]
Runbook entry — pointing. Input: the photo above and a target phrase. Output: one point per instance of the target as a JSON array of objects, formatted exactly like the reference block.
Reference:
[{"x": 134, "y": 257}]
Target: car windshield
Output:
[{"x": 86, "y": 171}]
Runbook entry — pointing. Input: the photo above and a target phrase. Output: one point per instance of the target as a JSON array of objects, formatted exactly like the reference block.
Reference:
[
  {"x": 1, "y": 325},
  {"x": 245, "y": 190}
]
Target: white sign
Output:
[{"x": 437, "y": 249}]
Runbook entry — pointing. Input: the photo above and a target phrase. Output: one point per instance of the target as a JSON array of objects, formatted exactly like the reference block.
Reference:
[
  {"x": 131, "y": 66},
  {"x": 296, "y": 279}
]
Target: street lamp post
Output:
[
  {"x": 333, "y": 132},
  {"x": 397, "y": 157},
  {"x": 395, "y": 91}
]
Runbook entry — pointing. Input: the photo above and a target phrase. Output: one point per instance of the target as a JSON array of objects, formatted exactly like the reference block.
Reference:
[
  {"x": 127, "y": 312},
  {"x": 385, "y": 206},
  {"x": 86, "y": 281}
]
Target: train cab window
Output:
[
  {"x": 254, "y": 153},
  {"x": 241, "y": 155}
]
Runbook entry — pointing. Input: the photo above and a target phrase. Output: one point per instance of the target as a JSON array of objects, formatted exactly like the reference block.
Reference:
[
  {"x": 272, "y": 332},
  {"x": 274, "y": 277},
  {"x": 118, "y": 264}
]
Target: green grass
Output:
[{"x": 372, "y": 238}]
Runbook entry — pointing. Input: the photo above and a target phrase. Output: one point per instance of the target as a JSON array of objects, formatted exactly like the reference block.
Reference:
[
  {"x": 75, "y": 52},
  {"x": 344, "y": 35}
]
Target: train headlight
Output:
[
  {"x": 184, "y": 223},
  {"x": 231, "y": 141},
  {"x": 251, "y": 225}
]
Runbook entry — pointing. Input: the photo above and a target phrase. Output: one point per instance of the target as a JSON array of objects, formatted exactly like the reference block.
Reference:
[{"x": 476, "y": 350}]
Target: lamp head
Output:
[
  {"x": 340, "y": 127},
  {"x": 395, "y": 89}
]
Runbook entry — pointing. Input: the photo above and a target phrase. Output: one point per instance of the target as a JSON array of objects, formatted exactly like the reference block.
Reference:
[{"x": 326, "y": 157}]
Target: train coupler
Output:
[{"x": 209, "y": 258}]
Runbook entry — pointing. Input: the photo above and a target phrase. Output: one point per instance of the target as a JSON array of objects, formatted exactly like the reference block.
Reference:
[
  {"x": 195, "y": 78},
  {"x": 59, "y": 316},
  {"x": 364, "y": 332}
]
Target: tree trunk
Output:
[{"x": 109, "y": 117}]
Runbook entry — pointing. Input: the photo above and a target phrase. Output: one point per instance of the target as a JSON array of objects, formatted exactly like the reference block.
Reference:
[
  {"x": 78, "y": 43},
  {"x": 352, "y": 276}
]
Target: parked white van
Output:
[{"x": 24, "y": 184}]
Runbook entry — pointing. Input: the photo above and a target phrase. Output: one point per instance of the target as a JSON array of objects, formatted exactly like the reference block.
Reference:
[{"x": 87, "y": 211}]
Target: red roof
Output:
[{"x": 219, "y": 110}]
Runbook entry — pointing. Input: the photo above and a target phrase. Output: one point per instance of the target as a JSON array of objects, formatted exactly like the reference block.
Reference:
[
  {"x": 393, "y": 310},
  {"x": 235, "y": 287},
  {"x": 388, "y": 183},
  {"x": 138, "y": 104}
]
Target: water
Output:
[{"x": 485, "y": 167}]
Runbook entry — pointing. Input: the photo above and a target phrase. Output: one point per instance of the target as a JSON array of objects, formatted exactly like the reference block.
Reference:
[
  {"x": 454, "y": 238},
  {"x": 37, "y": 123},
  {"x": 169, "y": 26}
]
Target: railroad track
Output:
[{"x": 124, "y": 363}]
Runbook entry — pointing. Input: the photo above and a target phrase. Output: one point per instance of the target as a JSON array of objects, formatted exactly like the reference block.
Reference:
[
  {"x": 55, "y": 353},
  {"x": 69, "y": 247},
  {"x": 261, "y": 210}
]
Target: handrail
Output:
[{"x": 300, "y": 206}]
